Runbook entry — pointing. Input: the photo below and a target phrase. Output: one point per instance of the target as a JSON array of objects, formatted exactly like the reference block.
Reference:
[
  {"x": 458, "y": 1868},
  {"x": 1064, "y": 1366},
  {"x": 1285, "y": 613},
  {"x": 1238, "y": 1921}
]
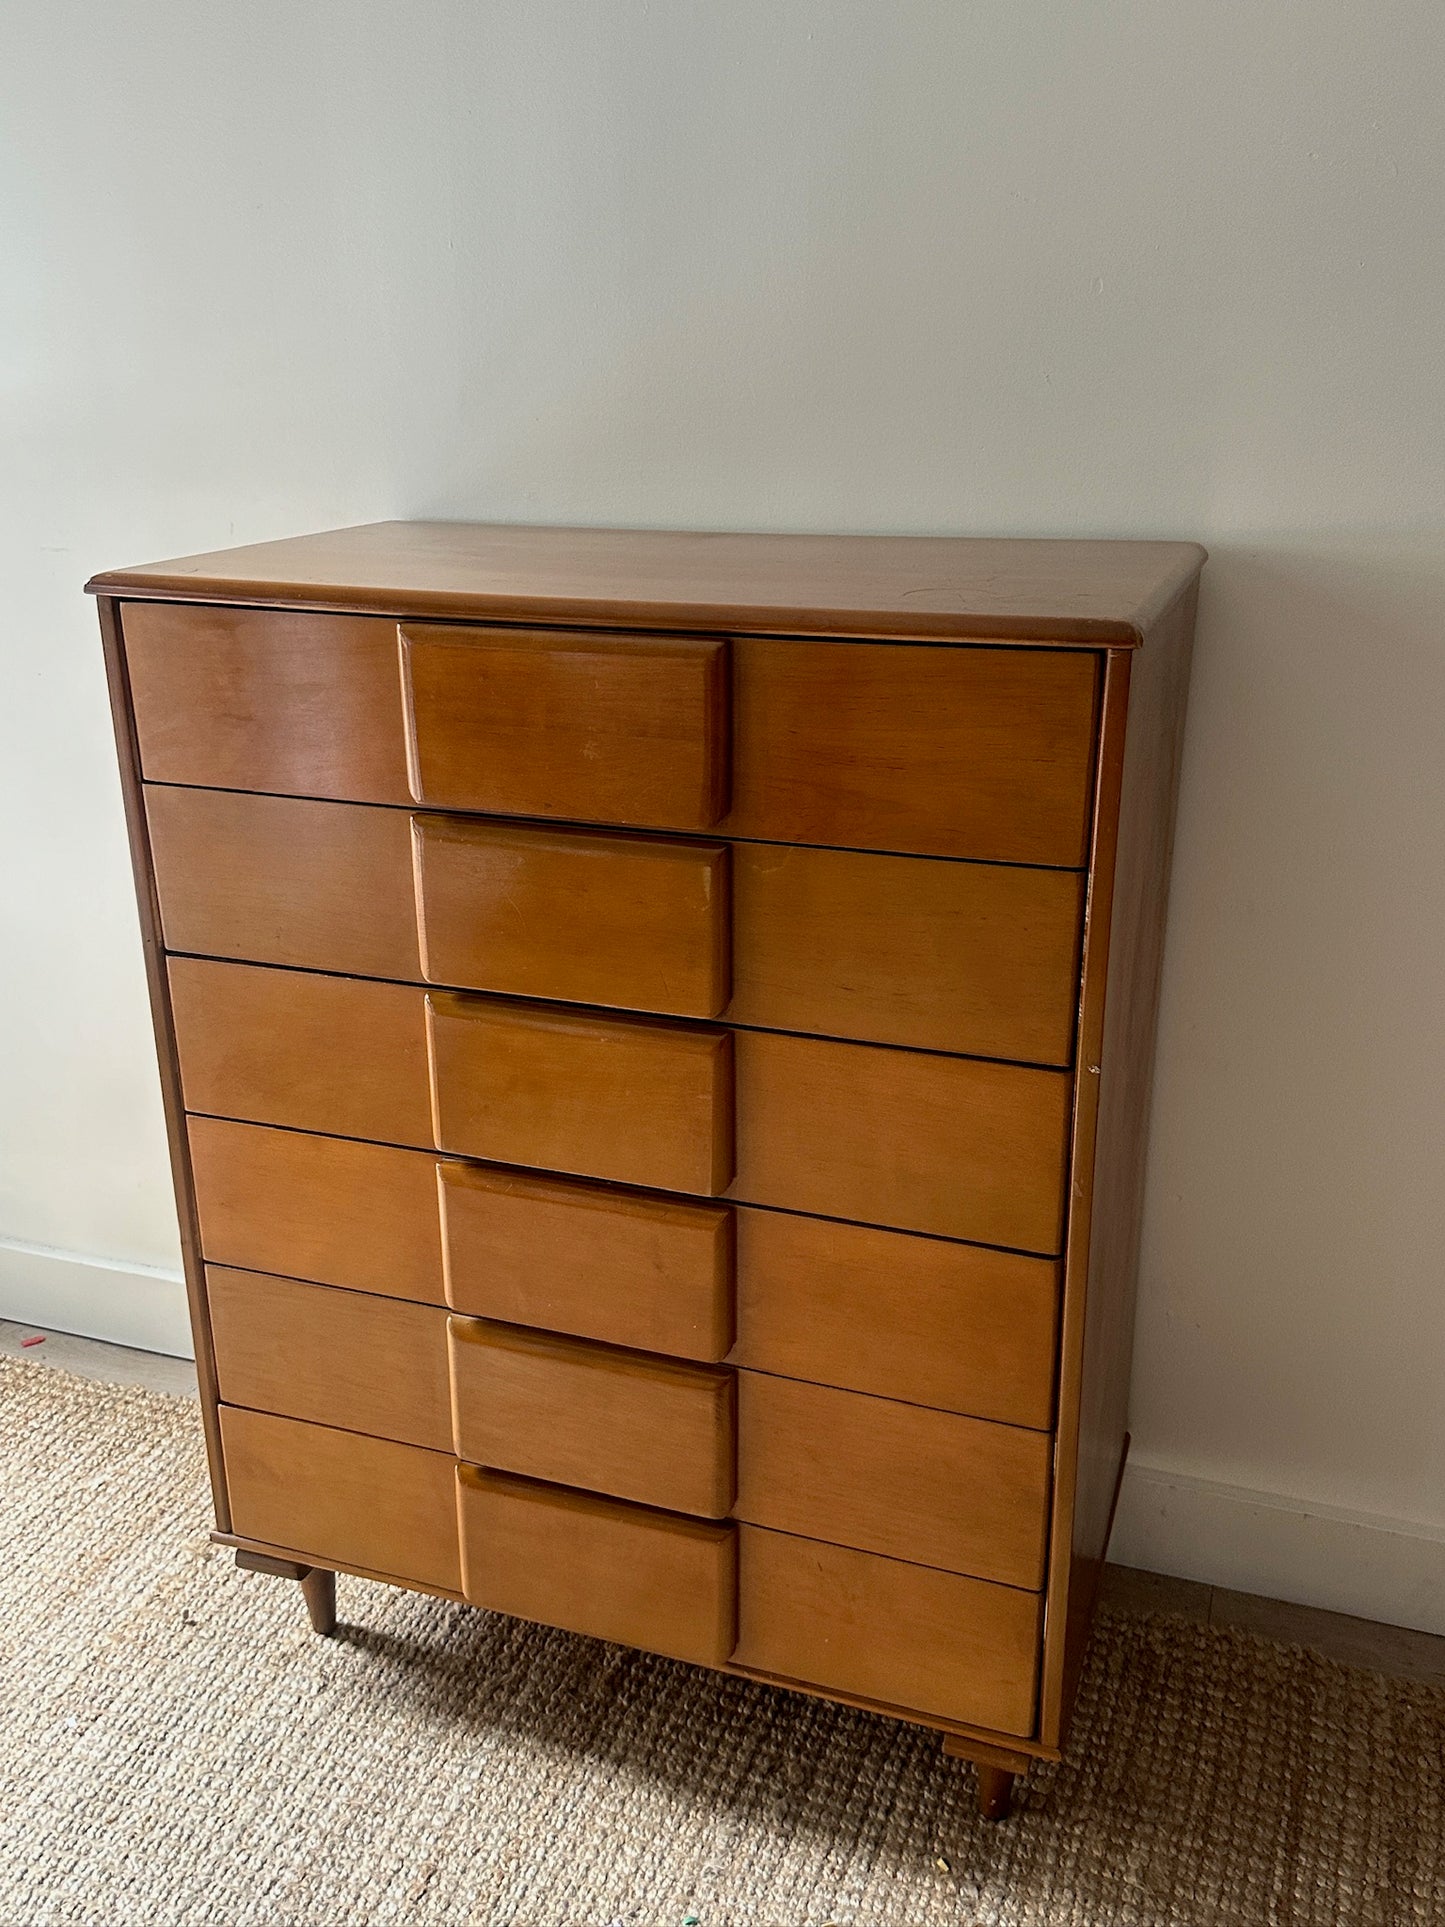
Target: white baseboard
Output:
[
  {"x": 139, "y": 1305},
  {"x": 1286, "y": 1548}
]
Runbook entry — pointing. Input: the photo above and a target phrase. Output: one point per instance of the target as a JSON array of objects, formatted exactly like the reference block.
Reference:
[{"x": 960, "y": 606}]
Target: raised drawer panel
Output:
[
  {"x": 332, "y": 1495},
  {"x": 904, "y": 1480},
  {"x": 342, "y": 1358},
  {"x": 905, "y": 1139},
  {"x": 942, "y": 955},
  {"x": 647, "y": 1104},
  {"x": 362, "y": 1216},
  {"x": 654, "y": 1274},
  {"x": 964, "y": 752},
  {"x": 546, "y": 722},
  {"x": 935, "y": 1323},
  {"x": 639, "y": 922},
  {"x": 907, "y": 1636},
  {"x": 596, "y": 1566},
  {"x": 621, "y": 1423}
]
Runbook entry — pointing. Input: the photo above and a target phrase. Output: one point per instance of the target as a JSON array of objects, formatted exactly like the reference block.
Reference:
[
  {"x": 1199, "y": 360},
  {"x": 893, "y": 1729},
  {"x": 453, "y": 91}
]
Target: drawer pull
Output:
[
  {"x": 611, "y": 729},
  {"x": 573, "y": 1413},
  {"x": 646, "y": 1104},
  {"x": 596, "y": 1566},
  {"x": 634, "y": 921},
  {"x": 654, "y": 1274}
]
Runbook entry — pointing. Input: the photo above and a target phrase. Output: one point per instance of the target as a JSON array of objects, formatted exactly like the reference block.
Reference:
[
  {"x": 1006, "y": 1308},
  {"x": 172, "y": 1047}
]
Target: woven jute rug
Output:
[{"x": 177, "y": 1747}]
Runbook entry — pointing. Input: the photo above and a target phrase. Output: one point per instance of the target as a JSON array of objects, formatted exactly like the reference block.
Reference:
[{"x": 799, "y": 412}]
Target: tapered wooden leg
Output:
[
  {"x": 995, "y": 1792},
  {"x": 319, "y": 1589}
]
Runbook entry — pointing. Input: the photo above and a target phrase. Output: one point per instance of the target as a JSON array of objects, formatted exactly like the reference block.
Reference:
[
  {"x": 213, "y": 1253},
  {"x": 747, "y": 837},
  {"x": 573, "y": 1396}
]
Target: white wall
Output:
[{"x": 1014, "y": 266}]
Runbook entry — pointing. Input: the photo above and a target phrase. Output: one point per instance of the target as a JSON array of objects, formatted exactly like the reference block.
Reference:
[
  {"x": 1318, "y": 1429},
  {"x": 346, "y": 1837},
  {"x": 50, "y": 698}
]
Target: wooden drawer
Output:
[
  {"x": 546, "y": 722},
  {"x": 336, "y": 1496},
  {"x": 645, "y": 1103},
  {"x": 363, "y": 1216},
  {"x": 653, "y": 1274},
  {"x": 944, "y": 751},
  {"x": 904, "y": 1480},
  {"x": 640, "y": 922},
  {"x": 621, "y": 1572},
  {"x": 616, "y": 1422},
  {"x": 905, "y": 1636},
  {"x": 921, "y": 1319},
  {"x": 342, "y": 1358},
  {"x": 906, "y": 1139},
  {"x": 971, "y": 957}
]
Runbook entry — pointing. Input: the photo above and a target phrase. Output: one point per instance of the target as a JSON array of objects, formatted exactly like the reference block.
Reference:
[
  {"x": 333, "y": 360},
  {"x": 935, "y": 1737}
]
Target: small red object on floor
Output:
[{"x": 38, "y": 1340}]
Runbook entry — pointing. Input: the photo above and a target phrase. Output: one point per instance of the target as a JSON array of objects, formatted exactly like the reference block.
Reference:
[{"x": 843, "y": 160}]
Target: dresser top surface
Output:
[{"x": 1086, "y": 593}]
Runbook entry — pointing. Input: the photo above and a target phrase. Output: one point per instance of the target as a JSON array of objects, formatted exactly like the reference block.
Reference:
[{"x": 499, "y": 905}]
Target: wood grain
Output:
[
  {"x": 950, "y": 1325},
  {"x": 949, "y": 1145},
  {"x": 1089, "y": 592},
  {"x": 943, "y": 955},
  {"x": 342, "y": 1358},
  {"x": 1140, "y": 752},
  {"x": 608, "y": 728},
  {"x": 908, "y": 1636},
  {"x": 651, "y": 1273},
  {"x": 903, "y": 1480},
  {"x": 267, "y": 699},
  {"x": 644, "y": 1103},
  {"x": 621, "y": 1572},
  {"x": 361, "y": 1216},
  {"x": 638, "y": 922},
  {"x": 574, "y": 1413},
  {"x": 336, "y": 1496}
]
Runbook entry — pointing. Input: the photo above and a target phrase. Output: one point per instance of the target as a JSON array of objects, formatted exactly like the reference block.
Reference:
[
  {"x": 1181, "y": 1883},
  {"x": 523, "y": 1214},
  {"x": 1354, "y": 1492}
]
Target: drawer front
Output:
[
  {"x": 643, "y": 1103},
  {"x": 639, "y": 922},
  {"x": 341, "y": 1358},
  {"x": 653, "y": 1274},
  {"x": 936, "y": 751},
  {"x": 606, "y": 728},
  {"x": 596, "y": 1566},
  {"x": 329, "y": 1495},
  {"x": 906, "y": 1636},
  {"x": 904, "y": 1139},
  {"x": 903, "y": 1480},
  {"x": 362, "y": 1216},
  {"x": 955, "y": 1326},
  {"x": 971, "y": 957},
  {"x": 621, "y": 1423}
]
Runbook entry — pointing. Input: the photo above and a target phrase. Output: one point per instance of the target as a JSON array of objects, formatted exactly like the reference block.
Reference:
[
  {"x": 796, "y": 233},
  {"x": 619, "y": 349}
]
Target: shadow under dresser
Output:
[{"x": 656, "y": 1032}]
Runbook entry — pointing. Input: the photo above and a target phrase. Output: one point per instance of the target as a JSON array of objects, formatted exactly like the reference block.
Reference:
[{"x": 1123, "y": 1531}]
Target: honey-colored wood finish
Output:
[
  {"x": 977, "y": 958},
  {"x": 888, "y": 1632},
  {"x": 611, "y": 729},
  {"x": 950, "y": 1325},
  {"x": 645, "y": 1103},
  {"x": 622, "y": 1423},
  {"x": 338, "y": 1496},
  {"x": 931, "y": 1487},
  {"x": 596, "y": 1566},
  {"x": 267, "y": 699},
  {"x": 638, "y": 922},
  {"x": 822, "y": 1127},
  {"x": 338, "y": 1212},
  {"x": 335, "y": 1055},
  {"x": 654, "y": 1274},
  {"x": 972, "y": 957},
  {"x": 950, "y": 1145},
  {"x": 342, "y": 1358},
  {"x": 1083, "y": 592}
]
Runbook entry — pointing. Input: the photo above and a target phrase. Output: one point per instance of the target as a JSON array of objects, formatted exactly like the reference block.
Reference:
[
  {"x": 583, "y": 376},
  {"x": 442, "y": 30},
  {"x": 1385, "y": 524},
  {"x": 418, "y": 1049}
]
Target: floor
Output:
[{"x": 1397, "y": 1651}]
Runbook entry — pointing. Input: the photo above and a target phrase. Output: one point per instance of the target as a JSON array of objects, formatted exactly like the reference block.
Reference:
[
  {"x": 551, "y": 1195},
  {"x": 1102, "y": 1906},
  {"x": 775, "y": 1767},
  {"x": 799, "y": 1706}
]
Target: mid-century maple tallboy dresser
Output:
[{"x": 656, "y": 1032}]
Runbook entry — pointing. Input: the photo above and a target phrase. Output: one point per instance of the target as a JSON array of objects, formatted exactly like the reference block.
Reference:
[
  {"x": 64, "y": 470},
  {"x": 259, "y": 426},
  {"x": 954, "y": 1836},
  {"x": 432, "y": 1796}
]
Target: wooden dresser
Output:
[{"x": 656, "y": 1032}]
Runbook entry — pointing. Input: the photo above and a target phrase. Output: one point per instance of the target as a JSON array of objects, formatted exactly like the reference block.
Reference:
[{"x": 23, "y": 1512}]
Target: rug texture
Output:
[{"x": 177, "y": 1747}]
